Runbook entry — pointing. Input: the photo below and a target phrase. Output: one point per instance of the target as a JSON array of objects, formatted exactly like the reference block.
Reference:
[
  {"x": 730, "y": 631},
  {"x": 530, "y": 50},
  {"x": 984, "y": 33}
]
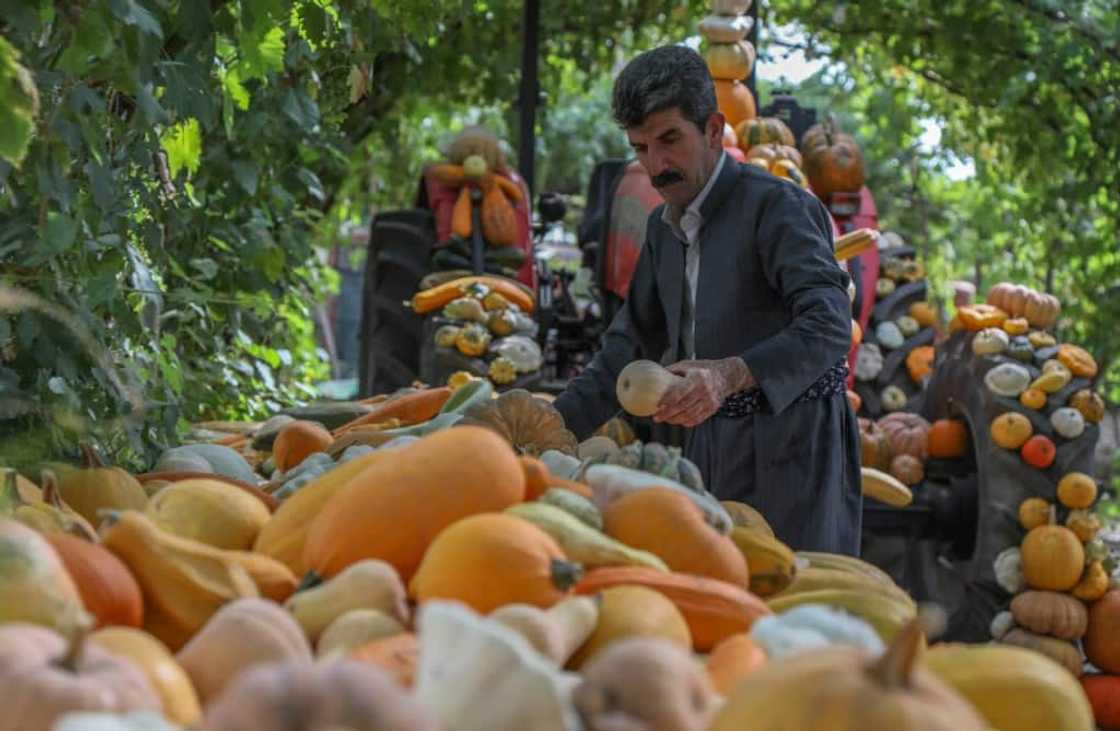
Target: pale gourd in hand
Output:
[{"x": 641, "y": 385}]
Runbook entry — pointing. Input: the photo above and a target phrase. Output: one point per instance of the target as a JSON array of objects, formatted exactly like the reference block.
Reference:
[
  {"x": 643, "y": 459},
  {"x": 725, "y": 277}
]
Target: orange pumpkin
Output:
[
  {"x": 397, "y": 654},
  {"x": 948, "y": 439},
  {"x": 735, "y": 100},
  {"x": 1078, "y": 360},
  {"x": 1053, "y": 557},
  {"x": 1033, "y": 512},
  {"x": 713, "y": 609},
  {"x": 1039, "y": 451},
  {"x": 671, "y": 526},
  {"x": 854, "y": 400},
  {"x": 732, "y": 660},
  {"x": 980, "y": 316},
  {"x": 1033, "y": 398},
  {"x": 395, "y": 508},
  {"x": 875, "y": 450},
  {"x": 919, "y": 362},
  {"x": 833, "y": 160},
  {"x": 108, "y": 589},
  {"x": 1090, "y": 404},
  {"x": 296, "y": 440},
  {"x": 1011, "y": 430},
  {"x": 924, "y": 313},
  {"x": 907, "y": 434},
  {"x": 1077, "y": 490},
  {"x": 490, "y": 560},
  {"x": 1102, "y": 640}
]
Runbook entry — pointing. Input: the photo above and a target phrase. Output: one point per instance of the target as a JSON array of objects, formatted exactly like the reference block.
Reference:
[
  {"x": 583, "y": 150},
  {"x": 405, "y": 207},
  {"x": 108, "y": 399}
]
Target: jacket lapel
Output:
[{"x": 670, "y": 280}]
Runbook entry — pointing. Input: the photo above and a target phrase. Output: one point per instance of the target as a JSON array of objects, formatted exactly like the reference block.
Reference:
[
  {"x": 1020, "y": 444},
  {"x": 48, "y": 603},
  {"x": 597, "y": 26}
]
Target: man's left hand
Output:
[{"x": 705, "y": 386}]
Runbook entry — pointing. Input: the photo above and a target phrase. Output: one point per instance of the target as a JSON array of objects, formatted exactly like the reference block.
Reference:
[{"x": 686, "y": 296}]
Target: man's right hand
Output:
[{"x": 704, "y": 386}]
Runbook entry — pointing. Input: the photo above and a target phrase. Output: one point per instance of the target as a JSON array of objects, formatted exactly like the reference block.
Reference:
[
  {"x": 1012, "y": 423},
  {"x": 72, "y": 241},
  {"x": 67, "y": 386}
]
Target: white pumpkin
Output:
[
  {"x": 810, "y": 626},
  {"x": 869, "y": 362},
  {"x": 1008, "y": 379},
  {"x": 1001, "y": 624},
  {"x": 889, "y": 335},
  {"x": 724, "y": 29},
  {"x": 893, "y": 398},
  {"x": 1068, "y": 422},
  {"x": 990, "y": 341},
  {"x": 1008, "y": 568}
]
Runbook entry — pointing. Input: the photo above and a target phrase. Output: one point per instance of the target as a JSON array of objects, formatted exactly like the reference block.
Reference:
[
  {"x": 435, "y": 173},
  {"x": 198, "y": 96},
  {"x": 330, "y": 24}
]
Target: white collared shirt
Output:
[{"x": 688, "y": 229}]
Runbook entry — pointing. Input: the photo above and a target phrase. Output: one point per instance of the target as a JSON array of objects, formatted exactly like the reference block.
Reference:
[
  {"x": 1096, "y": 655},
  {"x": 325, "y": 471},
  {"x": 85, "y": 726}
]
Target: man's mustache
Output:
[{"x": 666, "y": 178}]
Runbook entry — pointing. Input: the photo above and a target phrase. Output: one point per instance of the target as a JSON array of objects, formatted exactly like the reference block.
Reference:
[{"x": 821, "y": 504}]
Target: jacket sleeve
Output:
[
  {"x": 794, "y": 241},
  {"x": 637, "y": 331}
]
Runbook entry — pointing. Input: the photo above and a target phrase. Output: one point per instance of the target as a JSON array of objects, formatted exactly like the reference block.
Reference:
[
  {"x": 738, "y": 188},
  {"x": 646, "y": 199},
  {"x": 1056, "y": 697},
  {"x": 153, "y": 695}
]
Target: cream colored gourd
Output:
[
  {"x": 556, "y": 632},
  {"x": 366, "y": 584},
  {"x": 210, "y": 512},
  {"x": 1013, "y": 688},
  {"x": 465, "y": 659},
  {"x": 240, "y": 635},
  {"x": 34, "y": 585},
  {"x": 884, "y": 487},
  {"x": 582, "y": 543},
  {"x": 641, "y": 385},
  {"x": 354, "y": 629},
  {"x": 164, "y": 673}
]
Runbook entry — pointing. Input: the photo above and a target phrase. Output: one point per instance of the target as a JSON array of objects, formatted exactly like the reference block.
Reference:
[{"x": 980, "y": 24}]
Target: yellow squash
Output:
[
  {"x": 772, "y": 564},
  {"x": 582, "y": 543},
  {"x": 184, "y": 582}
]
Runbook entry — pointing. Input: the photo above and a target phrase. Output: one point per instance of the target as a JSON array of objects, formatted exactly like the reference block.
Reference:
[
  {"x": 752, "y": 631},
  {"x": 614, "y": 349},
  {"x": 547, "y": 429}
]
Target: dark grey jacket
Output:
[{"x": 769, "y": 291}]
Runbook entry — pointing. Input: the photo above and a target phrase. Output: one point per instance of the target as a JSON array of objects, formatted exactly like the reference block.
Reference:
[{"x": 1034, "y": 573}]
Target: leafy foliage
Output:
[{"x": 1025, "y": 89}]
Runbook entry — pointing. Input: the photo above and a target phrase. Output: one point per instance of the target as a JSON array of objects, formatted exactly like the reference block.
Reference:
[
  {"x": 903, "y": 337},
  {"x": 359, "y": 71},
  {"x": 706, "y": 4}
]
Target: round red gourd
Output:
[{"x": 1039, "y": 451}]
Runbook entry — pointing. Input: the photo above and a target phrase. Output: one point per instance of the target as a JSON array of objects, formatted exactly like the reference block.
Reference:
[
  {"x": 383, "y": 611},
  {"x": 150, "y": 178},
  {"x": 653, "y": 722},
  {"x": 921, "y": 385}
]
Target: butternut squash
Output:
[
  {"x": 367, "y": 584},
  {"x": 556, "y": 632},
  {"x": 582, "y": 543},
  {"x": 641, "y": 385},
  {"x": 183, "y": 581},
  {"x": 274, "y": 580}
]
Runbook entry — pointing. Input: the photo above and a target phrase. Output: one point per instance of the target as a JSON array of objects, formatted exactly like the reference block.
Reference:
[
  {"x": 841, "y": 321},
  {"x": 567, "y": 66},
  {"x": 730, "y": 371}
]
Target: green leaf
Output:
[
  {"x": 132, "y": 13},
  {"x": 19, "y": 105},
  {"x": 234, "y": 90},
  {"x": 314, "y": 185},
  {"x": 152, "y": 110},
  {"x": 101, "y": 183},
  {"x": 92, "y": 40},
  {"x": 262, "y": 54},
  {"x": 301, "y": 109},
  {"x": 206, "y": 267},
  {"x": 183, "y": 145},
  {"x": 60, "y": 233},
  {"x": 246, "y": 173}
]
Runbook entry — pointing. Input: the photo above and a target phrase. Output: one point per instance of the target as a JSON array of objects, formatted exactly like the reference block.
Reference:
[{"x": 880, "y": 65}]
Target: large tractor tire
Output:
[
  {"x": 974, "y": 502},
  {"x": 400, "y": 247}
]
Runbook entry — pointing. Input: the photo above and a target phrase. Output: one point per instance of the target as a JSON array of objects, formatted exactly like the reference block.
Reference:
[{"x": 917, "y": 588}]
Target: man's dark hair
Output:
[{"x": 665, "y": 77}]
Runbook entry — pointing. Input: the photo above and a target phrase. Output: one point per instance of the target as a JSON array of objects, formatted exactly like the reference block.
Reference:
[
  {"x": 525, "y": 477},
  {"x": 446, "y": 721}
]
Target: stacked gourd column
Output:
[{"x": 730, "y": 58}]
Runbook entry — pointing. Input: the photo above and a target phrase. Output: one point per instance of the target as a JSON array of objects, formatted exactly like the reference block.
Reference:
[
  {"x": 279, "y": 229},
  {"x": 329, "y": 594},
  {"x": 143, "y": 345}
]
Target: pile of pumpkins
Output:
[
  {"x": 895, "y": 359},
  {"x": 466, "y": 575},
  {"x": 901, "y": 443},
  {"x": 487, "y": 321},
  {"x": 828, "y": 160}
]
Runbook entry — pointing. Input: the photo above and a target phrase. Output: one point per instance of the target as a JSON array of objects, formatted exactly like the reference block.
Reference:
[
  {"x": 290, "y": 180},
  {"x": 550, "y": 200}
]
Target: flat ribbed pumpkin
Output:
[
  {"x": 670, "y": 526},
  {"x": 714, "y": 610},
  {"x": 490, "y": 560},
  {"x": 395, "y": 509}
]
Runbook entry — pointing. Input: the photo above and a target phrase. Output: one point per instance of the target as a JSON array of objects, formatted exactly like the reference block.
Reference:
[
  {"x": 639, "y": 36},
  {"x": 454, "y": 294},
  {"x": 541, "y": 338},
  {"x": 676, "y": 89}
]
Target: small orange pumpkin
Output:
[
  {"x": 977, "y": 317},
  {"x": 854, "y": 400},
  {"x": 1102, "y": 641},
  {"x": 1016, "y": 326},
  {"x": 296, "y": 440},
  {"x": 1033, "y": 398},
  {"x": 487, "y": 561},
  {"x": 919, "y": 362},
  {"x": 1077, "y": 490},
  {"x": 1053, "y": 557},
  {"x": 948, "y": 439},
  {"x": 924, "y": 313},
  {"x": 1090, "y": 404},
  {"x": 669, "y": 525},
  {"x": 1033, "y": 512},
  {"x": 1039, "y": 451},
  {"x": 1011, "y": 430},
  {"x": 1078, "y": 360}
]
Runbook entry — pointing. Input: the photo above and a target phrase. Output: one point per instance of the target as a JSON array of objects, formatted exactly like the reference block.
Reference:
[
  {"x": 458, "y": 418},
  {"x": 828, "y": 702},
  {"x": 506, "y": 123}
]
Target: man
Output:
[{"x": 738, "y": 290}]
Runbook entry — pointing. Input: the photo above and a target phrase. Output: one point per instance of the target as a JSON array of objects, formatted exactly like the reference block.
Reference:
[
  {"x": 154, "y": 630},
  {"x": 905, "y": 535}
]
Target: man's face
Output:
[{"x": 676, "y": 155}]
